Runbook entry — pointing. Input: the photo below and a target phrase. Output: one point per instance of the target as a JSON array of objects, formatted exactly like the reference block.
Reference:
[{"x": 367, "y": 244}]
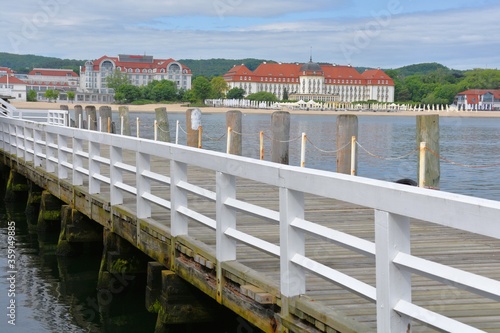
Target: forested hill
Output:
[{"x": 24, "y": 63}]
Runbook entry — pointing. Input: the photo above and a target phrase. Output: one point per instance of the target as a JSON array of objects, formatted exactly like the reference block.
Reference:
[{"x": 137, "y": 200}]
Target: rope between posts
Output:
[
  {"x": 327, "y": 151},
  {"x": 461, "y": 164},
  {"x": 215, "y": 139},
  {"x": 281, "y": 141},
  {"x": 386, "y": 158},
  {"x": 242, "y": 134}
]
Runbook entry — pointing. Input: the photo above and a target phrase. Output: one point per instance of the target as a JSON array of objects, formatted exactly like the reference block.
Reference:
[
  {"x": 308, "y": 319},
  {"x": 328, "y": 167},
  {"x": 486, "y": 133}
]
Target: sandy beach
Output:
[{"x": 181, "y": 108}]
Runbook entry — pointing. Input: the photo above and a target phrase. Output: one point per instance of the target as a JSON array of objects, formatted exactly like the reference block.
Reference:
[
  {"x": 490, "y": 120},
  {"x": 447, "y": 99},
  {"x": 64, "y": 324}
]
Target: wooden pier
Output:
[{"x": 289, "y": 249}]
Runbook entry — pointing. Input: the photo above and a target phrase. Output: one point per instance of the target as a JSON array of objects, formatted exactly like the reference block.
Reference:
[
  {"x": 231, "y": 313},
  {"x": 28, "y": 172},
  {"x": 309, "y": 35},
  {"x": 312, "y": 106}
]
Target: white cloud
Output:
[{"x": 283, "y": 31}]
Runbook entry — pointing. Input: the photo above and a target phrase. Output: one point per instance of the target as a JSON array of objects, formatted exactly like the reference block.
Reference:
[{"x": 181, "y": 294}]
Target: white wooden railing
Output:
[{"x": 394, "y": 204}]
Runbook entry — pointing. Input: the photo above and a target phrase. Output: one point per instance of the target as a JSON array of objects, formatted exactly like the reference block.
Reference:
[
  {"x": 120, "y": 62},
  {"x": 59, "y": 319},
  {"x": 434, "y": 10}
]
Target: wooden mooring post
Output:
[
  {"x": 234, "y": 126},
  {"x": 105, "y": 119},
  {"x": 91, "y": 117},
  {"x": 428, "y": 132},
  {"x": 280, "y": 127},
  {"x": 78, "y": 116},
  {"x": 163, "y": 127},
  {"x": 193, "y": 127},
  {"x": 347, "y": 127},
  {"x": 124, "y": 121}
]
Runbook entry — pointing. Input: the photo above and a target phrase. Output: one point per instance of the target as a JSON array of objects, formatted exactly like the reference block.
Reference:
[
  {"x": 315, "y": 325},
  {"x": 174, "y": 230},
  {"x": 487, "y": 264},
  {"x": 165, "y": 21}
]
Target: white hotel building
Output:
[
  {"x": 141, "y": 70},
  {"x": 312, "y": 81}
]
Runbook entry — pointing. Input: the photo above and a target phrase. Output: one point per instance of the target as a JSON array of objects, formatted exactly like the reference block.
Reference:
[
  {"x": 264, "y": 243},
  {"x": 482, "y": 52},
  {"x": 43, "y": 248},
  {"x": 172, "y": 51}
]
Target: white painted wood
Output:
[
  {"x": 292, "y": 242},
  {"x": 347, "y": 282},
  {"x": 94, "y": 167},
  {"x": 347, "y": 241},
  {"x": 433, "y": 319},
  {"x": 116, "y": 175},
  {"x": 225, "y": 217},
  {"x": 178, "y": 198},
  {"x": 448, "y": 275},
  {"x": 254, "y": 242},
  {"x": 392, "y": 235},
  {"x": 77, "y": 162},
  {"x": 143, "y": 185},
  {"x": 253, "y": 210},
  {"x": 62, "y": 156}
]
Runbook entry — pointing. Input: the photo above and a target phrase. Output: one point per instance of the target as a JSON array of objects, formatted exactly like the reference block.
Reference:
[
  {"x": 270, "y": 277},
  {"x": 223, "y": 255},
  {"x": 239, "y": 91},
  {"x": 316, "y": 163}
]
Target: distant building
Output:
[
  {"x": 43, "y": 79},
  {"x": 478, "y": 99},
  {"x": 141, "y": 70},
  {"x": 11, "y": 86},
  {"x": 313, "y": 81}
]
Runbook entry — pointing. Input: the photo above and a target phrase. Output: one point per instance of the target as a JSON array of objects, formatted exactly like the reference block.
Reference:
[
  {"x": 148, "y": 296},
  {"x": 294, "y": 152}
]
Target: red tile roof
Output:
[
  {"x": 154, "y": 64},
  {"x": 53, "y": 72},
  {"x": 292, "y": 71},
  {"x": 12, "y": 80}
]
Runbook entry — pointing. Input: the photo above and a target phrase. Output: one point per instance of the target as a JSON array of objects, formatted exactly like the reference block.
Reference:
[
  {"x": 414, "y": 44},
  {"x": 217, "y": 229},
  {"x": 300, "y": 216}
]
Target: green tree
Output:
[
  {"x": 32, "y": 96},
  {"x": 263, "y": 96},
  {"x": 116, "y": 79},
  {"x": 157, "y": 91},
  {"x": 128, "y": 93},
  {"x": 235, "y": 93},
  {"x": 219, "y": 87},
  {"x": 71, "y": 96},
  {"x": 285, "y": 94},
  {"x": 201, "y": 88},
  {"x": 51, "y": 94}
]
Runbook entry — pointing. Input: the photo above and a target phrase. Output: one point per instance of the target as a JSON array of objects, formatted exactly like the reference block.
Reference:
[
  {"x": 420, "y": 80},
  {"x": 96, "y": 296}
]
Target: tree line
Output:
[
  {"x": 436, "y": 84},
  {"x": 429, "y": 83}
]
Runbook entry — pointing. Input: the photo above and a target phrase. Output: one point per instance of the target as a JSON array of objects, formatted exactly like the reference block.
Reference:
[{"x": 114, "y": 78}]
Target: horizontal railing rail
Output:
[{"x": 77, "y": 155}]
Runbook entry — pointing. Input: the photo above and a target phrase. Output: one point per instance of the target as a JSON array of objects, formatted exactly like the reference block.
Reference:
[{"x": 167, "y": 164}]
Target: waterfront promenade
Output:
[{"x": 286, "y": 248}]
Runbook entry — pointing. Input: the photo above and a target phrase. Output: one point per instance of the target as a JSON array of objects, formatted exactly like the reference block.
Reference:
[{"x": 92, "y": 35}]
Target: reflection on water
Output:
[{"x": 55, "y": 294}]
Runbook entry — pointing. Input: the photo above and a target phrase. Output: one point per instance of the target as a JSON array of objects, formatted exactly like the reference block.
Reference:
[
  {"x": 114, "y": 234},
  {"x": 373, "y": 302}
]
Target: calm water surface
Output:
[{"x": 58, "y": 295}]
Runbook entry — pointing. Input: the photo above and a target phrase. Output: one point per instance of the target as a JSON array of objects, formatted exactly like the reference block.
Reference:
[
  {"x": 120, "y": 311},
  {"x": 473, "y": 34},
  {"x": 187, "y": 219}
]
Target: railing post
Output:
[
  {"x": 51, "y": 152},
  {"x": 143, "y": 185},
  {"x": 225, "y": 218},
  {"x": 116, "y": 175},
  {"x": 178, "y": 199},
  {"x": 28, "y": 145},
  {"x": 94, "y": 167},
  {"x": 77, "y": 161},
  {"x": 37, "y": 148},
  {"x": 292, "y": 241},
  {"x": 392, "y": 235},
  {"x": 62, "y": 157}
]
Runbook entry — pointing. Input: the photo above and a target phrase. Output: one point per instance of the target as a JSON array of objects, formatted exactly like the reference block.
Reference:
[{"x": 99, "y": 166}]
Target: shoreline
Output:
[{"x": 179, "y": 108}]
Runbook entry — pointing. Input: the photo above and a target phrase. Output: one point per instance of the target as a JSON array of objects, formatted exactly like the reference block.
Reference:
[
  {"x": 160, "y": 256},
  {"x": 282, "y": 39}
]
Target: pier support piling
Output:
[
  {"x": 17, "y": 187},
  {"x": 79, "y": 120},
  {"x": 106, "y": 119}
]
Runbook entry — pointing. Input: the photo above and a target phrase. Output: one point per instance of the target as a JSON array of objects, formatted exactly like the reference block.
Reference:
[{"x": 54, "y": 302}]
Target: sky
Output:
[{"x": 460, "y": 34}]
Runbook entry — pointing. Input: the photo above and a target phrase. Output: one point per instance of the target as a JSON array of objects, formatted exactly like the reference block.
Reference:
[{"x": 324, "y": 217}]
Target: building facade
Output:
[
  {"x": 42, "y": 79},
  {"x": 478, "y": 99},
  {"x": 140, "y": 70},
  {"x": 313, "y": 81},
  {"x": 13, "y": 88}
]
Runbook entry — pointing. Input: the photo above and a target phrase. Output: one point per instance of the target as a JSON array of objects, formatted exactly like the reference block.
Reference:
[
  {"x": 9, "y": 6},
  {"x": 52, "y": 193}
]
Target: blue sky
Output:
[{"x": 388, "y": 33}]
